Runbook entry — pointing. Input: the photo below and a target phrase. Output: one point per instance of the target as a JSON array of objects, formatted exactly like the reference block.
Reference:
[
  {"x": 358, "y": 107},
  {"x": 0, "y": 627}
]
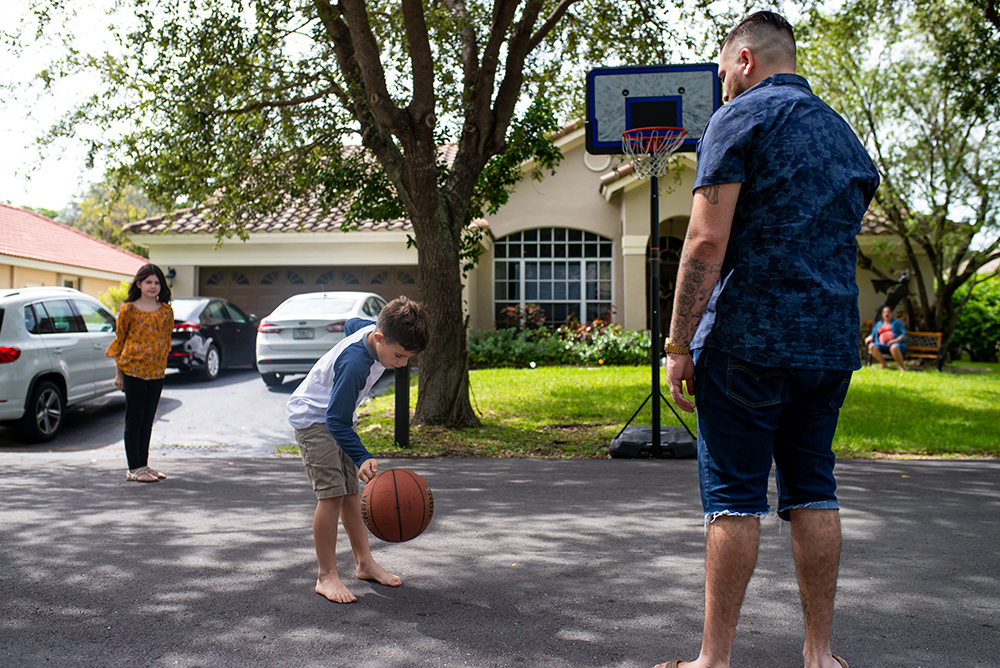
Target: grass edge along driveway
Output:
[{"x": 574, "y": 412}]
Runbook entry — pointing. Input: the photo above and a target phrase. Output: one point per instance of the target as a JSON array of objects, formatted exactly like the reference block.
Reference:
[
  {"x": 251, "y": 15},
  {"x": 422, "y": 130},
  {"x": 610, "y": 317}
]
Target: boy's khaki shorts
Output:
[{"x": 331, "y": 472}]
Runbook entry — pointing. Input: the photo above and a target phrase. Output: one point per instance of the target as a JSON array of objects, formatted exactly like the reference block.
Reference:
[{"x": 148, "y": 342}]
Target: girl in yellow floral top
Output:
[{"x": 145, "y": 322}]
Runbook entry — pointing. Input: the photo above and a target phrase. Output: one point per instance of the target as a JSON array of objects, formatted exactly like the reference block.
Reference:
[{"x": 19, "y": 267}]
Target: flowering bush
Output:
[{"x": 527, "y": 340}]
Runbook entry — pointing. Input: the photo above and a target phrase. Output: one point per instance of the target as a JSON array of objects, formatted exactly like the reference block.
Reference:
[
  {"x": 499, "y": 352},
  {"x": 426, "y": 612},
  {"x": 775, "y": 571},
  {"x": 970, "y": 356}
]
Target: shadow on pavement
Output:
[{"x": 526, "y": 563}]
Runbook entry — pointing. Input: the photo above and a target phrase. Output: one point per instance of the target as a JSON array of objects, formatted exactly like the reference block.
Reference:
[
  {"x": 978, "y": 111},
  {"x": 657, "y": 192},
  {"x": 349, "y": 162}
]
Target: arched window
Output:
[{"x": 564, "y": 271}]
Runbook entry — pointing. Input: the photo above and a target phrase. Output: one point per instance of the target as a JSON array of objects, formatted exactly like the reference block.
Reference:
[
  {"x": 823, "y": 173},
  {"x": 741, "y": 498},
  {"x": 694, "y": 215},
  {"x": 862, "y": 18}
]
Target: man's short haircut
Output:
[
  {"x": 405, "y": 323},
  {"x": 763, "y": 28}
]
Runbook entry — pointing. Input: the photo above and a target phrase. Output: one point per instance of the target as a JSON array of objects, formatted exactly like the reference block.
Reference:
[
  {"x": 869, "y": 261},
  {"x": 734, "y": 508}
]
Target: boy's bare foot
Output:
[
  {"x": 375, "y": 572},
  {"x": 334, "y": 590}
]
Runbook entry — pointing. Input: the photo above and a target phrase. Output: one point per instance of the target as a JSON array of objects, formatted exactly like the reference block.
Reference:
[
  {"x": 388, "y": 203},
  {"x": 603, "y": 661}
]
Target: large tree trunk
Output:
[{"x": 443, "y": 379}]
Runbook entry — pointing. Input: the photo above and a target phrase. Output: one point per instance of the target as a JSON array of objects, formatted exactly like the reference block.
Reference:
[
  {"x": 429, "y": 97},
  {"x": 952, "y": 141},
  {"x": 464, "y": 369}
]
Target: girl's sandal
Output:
[{"x": 143, "y": 474}]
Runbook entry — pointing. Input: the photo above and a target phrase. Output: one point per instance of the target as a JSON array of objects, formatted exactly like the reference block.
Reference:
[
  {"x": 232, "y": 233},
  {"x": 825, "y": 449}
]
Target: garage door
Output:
[{"x": 259, "y": 290}]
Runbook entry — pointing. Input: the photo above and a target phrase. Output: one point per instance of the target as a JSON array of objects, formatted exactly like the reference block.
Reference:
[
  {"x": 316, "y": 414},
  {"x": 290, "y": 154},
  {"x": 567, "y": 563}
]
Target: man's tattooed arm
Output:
[{"x": 702, "y": 257}]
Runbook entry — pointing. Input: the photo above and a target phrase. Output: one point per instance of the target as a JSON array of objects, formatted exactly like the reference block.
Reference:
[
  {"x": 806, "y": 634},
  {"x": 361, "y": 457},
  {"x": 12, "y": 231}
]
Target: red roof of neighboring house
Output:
[{"x": 28, "y": 235}]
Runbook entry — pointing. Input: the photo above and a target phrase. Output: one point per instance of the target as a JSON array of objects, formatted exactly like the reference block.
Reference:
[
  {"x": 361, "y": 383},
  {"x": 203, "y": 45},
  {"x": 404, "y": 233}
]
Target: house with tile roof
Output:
[
  {"x": 38, "y": 251},
  {"x": 575, "y": 243}
]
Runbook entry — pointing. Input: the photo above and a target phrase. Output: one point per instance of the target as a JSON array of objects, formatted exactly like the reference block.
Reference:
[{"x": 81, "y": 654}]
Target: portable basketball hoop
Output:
[{"x": 649, "y": 149}]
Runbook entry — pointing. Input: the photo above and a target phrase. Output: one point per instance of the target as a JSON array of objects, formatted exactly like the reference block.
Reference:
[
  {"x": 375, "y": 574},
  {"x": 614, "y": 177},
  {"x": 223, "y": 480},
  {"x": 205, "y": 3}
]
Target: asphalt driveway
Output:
[{"x": 526, "y": 563}]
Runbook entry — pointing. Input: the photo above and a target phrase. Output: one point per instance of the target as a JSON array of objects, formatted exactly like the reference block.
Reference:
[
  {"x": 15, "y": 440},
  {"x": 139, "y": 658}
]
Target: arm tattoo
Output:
[
  {"x": 696, "y": 280},
  {"x": 710, "y": 193}
]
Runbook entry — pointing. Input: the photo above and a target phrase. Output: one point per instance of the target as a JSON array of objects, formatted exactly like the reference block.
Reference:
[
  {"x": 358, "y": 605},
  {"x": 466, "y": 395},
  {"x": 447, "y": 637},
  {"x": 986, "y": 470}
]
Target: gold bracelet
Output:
[{"x": 673, "y": 349}]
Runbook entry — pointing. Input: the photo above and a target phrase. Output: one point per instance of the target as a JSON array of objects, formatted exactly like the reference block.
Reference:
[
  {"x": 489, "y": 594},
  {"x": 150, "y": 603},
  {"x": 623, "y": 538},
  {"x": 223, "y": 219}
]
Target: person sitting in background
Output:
[{"x": 888, "y": 338}]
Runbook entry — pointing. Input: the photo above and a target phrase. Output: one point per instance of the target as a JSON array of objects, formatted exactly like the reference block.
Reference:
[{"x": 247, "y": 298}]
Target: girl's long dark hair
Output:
[{"x": 145, "y": 271}]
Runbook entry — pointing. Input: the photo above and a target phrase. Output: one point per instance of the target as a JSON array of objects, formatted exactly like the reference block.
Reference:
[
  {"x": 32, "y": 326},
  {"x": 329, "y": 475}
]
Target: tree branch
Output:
[
  {"x": 294, "y": 102},
  {"x": 421, "y": 60},
  {"x": 550, "y": 23},
  {"x": 359, "y": 54},
  {"x": 470, "y": 48}
]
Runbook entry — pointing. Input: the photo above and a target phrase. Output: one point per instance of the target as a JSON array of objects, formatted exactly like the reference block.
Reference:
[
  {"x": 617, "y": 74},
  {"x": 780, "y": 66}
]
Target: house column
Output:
[{"x": 634, "y": 278}]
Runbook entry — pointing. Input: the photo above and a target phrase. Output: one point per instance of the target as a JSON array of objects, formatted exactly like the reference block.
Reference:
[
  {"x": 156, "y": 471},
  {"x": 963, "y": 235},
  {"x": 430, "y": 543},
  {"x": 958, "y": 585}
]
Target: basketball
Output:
[{"x": 397, "y": 505}]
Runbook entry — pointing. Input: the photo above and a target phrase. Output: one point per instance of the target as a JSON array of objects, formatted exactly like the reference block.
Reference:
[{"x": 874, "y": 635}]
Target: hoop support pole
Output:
[{"x": 654, "y": 304}]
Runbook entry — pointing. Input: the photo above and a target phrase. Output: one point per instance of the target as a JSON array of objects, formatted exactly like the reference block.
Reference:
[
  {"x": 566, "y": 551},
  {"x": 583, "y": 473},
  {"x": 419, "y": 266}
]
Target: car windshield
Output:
[
  {"x": 314, "y": 307},
  {"x": 184, "y": 309}
]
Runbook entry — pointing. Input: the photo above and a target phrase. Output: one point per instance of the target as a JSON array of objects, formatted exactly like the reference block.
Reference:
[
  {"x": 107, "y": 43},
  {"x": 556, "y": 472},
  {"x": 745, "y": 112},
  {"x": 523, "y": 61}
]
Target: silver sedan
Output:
[{"x": 304, "y": 327}]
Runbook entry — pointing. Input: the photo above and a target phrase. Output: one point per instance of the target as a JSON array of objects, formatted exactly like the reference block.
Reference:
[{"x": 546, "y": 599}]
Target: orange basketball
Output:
[{"x": 397, "y": 505}]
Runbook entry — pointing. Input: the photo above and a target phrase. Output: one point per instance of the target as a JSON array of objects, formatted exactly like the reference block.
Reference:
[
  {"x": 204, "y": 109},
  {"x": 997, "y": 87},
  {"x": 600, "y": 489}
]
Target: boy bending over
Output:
[{"x": 322, "y": 411}]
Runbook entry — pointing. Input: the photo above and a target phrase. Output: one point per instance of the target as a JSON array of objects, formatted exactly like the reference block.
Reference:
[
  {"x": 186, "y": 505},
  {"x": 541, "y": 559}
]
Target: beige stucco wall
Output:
[
  {"x": 868, "y": 299},
  {"x": 674, "y": 208},
  {"x": 572, "y": 198},
  {"x": 20, "y": 272}
]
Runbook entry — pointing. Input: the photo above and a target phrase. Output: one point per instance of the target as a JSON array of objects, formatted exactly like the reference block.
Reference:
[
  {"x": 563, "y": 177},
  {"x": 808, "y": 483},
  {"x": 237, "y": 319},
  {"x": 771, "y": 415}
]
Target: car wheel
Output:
[
  {"x": 213, "y": 362},
  {"x": 44, "y": 414},
  {"x": 272, "y": 379}
]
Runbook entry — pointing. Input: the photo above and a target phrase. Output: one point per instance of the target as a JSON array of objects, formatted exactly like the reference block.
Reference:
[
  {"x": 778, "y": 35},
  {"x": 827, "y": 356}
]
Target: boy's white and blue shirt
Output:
[{"x": 336, "y": 386}]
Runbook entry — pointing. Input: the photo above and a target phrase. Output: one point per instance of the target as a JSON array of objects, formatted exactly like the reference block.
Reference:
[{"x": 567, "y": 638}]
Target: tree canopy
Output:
[
  {"x": 919, "y": 82},
  {"x": 250, "y": 104}
]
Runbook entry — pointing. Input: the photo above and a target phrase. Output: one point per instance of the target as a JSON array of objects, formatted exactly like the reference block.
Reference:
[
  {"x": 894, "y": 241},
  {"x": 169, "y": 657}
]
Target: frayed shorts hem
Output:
[
  {"x": 711, "y": 517},
  {"x": 784, "y": 513}
]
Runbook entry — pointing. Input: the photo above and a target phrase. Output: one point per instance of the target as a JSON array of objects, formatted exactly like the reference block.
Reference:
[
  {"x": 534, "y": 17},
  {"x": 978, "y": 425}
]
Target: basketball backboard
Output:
[{"x": 623, "y": 98}]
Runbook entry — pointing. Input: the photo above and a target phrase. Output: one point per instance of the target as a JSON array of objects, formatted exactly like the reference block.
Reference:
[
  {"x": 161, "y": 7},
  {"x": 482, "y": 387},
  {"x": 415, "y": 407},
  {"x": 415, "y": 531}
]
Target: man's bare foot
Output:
[
  {"x": 333, "y": 589},
  {"x": 375, "y": 572}
]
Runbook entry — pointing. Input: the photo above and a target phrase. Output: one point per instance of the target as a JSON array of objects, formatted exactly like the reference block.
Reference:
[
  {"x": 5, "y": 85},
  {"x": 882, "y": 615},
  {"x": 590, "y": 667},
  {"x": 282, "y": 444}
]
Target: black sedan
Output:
[{"x": 211, "y": 334}]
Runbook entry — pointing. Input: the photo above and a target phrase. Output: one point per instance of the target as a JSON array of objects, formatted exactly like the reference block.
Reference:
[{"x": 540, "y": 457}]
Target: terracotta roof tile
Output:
[
  {"x": 26, "y": 234},
  {"x": 294, "y": 218}
]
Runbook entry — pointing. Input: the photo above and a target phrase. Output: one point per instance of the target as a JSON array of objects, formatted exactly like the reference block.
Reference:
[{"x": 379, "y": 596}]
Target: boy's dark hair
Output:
[
  {"x": 760, "y": 24},
  {"x": 145, "y": 271},
  {"x": 405, "y": 323}
]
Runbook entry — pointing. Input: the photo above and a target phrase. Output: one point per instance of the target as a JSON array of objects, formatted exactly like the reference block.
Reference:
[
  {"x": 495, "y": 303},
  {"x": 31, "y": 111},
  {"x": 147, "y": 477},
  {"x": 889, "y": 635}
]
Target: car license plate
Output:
[{"x": 302, "y": 333}]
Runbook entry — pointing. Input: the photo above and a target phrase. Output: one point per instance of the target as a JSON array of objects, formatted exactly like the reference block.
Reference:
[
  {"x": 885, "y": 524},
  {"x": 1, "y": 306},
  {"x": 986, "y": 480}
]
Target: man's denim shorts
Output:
[{"x": 749, "y": 415}]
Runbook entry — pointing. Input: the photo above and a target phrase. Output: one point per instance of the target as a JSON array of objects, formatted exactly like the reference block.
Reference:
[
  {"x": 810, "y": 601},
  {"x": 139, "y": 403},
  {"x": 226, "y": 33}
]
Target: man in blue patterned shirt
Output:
[{"x": 768, "y": 302}]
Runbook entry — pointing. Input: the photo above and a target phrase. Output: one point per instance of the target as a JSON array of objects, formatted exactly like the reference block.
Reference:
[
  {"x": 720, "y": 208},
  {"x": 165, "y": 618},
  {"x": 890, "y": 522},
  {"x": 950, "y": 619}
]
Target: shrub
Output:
[
  {"x": 115, "y": 296},
  {"x": 614, "y": 345},
  {"x": 526, "y": 341},
  {"x": 977, "y": 327},
  {"x": 513, "y": 348}
]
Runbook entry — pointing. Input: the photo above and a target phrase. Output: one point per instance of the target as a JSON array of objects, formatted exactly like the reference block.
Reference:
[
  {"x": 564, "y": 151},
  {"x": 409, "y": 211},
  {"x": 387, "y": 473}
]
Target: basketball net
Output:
[{"x": 649, "y": 149}]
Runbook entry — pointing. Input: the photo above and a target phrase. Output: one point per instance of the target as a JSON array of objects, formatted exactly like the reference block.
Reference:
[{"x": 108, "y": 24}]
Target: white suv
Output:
[{"x": 52, "y": 343}]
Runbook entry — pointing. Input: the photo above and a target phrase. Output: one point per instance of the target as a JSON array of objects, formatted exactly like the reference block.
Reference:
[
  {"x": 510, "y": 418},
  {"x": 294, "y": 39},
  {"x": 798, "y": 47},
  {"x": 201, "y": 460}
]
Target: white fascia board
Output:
[{"x": 287, "y": 248}]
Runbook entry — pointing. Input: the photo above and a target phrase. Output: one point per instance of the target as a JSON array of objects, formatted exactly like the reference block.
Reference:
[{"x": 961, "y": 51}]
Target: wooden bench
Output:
[
  {"x": 920, "y": 345},
  {"x": 925, "y": 345}
]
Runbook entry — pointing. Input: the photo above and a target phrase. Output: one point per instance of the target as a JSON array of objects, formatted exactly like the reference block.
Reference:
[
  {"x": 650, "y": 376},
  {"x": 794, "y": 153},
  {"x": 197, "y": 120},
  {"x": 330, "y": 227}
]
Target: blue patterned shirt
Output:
[{"x": 787, "y": 295}]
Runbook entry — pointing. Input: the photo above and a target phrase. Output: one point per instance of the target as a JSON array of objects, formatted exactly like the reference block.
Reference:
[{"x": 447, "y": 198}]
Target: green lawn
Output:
[{"x": 575, "y": 411}]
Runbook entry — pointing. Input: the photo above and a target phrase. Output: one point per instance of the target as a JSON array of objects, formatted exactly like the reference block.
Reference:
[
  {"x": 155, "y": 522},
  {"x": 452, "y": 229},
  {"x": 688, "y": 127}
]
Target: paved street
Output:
[
  {"x": 236, "y": 411},
  {"x": 591, "y": 563}
]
